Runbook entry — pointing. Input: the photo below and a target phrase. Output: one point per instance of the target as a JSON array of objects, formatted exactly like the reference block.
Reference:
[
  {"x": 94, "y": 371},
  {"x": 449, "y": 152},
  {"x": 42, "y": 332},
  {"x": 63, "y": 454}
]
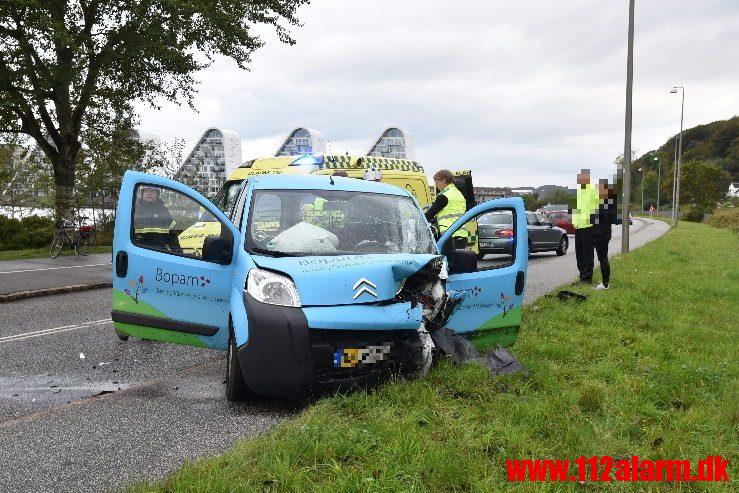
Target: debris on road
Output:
[
  {"x": 82, "y": 355},
  {"x": 565, "y": 295}
]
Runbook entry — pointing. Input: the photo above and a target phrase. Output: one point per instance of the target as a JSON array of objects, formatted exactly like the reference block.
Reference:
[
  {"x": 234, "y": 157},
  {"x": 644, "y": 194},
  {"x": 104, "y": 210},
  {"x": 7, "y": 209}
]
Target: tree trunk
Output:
[{"x": 64, "y": 203}]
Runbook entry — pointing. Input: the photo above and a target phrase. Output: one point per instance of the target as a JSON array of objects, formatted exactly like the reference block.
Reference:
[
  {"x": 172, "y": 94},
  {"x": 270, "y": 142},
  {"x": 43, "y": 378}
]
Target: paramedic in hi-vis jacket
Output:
[
  {"x": 449, "y": 206},
  {"x": 588, "y": 201}
]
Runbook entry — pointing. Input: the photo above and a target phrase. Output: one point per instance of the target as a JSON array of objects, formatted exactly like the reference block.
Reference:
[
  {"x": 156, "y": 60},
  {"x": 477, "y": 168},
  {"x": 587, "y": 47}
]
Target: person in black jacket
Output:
[
  {"x": 607, "y": 215},
  {"x": 153, "y": 223}
]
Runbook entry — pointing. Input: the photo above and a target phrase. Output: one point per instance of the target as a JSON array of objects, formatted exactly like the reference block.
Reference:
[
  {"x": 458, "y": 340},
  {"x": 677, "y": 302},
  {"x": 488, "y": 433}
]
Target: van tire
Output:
[{"x": 236, "y": 388}]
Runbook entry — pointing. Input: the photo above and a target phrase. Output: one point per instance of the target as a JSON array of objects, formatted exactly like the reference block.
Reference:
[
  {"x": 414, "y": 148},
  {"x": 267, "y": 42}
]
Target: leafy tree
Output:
[
  {"x": 702, "y": 185},
  {"x": 562, "y": 197},
  {"x": 530, "y": 200},
  {"x": 71, "y": 69}
]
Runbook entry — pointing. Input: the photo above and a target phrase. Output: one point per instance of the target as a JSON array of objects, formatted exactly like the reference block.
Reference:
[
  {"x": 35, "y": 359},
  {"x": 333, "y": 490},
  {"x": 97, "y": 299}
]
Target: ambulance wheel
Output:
[
  {"x": 236, "y": 389},
  {"x": 122, "y": 337}
]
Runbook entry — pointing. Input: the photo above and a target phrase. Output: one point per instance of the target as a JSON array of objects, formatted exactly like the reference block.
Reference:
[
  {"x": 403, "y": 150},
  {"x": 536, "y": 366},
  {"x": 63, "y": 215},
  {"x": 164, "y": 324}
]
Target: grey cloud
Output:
[{"x": 521, "y": 92}]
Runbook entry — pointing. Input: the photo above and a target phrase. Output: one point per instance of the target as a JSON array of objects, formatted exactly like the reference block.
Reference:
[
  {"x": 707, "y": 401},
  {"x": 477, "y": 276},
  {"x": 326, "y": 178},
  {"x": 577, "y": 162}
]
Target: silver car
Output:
[{"x": 495, "y": 234}]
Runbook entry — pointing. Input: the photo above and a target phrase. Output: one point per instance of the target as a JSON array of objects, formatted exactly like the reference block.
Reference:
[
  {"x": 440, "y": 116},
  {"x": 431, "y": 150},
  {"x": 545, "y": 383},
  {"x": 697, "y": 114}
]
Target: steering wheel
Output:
[
  {"x": 261, "y": 236},
  {"x": 367, "y": 246},
  {"x": 372, "y": 246}
]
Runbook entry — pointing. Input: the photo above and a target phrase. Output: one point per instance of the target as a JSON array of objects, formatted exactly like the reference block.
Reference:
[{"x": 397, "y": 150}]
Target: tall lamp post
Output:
[
  {"x": 641, "y": 170},
  {"x": 627, "y": 134},
  {"x": 659, "y": 179},
  {"x": 676, "y": 200}
]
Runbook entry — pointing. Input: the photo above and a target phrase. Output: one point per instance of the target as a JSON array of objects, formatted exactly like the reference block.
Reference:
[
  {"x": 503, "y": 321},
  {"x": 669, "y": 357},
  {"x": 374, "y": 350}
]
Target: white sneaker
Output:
[{"x": 601, "y": 287}]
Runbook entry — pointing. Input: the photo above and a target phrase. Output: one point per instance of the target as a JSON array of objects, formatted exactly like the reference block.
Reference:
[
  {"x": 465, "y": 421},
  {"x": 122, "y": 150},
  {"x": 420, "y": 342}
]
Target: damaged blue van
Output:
[{"x": 311, "y": 284}]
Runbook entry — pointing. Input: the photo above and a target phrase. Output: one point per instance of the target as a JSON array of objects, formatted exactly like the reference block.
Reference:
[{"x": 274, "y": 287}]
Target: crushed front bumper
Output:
[{"x": 288, "y": 357}]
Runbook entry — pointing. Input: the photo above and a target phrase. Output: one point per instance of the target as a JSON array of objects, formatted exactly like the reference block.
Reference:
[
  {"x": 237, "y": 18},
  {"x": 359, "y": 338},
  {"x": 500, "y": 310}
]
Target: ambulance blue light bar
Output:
[{"x": 308, "y": 160}]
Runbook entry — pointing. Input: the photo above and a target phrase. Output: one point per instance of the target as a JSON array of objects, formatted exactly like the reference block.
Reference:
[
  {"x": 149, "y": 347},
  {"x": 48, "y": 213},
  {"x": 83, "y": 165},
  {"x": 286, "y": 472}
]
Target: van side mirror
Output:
[
  {"x": 463, "y": 262},
  {"x": 217, "y": 249}
]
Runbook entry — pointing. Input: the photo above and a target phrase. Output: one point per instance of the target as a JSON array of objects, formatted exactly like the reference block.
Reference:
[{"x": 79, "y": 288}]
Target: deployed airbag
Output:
[{"x": 305, "y": 237}]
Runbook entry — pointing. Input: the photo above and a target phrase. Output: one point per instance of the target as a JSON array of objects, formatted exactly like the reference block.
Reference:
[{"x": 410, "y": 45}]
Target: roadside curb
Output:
[{"x": 21, "y": 295}]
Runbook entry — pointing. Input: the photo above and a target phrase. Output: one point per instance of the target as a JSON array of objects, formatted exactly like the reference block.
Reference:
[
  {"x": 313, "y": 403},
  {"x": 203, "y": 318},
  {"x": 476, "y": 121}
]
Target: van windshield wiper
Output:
[{"x": 273, "y": 253}]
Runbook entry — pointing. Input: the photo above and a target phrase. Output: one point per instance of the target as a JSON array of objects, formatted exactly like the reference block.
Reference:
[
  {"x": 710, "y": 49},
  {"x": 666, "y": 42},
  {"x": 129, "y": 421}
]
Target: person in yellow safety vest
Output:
[
  {"x": 588, "y": 200},
  {"x": 448, "y": 206},
  {"x": 152, "y": 221},
  {"x": 319, "y": 216}
]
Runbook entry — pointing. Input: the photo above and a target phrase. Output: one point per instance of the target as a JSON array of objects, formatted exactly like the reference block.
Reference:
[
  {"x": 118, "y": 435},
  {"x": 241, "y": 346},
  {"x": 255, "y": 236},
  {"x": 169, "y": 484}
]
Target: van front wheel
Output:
[{"x": 236, "y": 389}]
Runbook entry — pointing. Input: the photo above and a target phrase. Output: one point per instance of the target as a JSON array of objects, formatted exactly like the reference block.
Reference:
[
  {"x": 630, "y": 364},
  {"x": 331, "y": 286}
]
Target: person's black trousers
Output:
[
  {"x": 601, "y": 248},
  {"x": 584, "y": 253}
]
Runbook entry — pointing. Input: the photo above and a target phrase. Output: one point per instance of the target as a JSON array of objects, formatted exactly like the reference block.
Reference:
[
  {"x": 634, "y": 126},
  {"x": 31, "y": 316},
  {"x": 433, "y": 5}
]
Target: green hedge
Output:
[
  {"x": 29, "y": 232},
  {"x": 726, "y": 218}
]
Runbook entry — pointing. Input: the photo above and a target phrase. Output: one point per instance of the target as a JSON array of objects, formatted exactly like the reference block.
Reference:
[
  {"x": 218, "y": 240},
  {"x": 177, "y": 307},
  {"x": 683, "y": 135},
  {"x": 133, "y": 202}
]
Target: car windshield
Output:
[
  {"x": 328, "y": 222},
  {"x": 505, "y": 217}
]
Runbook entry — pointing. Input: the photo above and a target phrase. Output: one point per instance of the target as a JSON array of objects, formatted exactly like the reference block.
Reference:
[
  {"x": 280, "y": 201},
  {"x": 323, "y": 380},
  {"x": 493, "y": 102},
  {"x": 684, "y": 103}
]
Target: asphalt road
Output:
[
  {"x": 136, "y": 409},
  {"x": 41, "y": 273}
]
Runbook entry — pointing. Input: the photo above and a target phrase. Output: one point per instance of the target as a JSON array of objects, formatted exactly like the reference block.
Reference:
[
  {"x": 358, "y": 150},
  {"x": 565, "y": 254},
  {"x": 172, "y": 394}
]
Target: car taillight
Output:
[{"x": 505, "y": 233}]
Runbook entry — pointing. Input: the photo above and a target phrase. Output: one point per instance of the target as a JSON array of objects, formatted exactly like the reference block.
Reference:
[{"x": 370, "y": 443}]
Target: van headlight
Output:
[{"x": 272, "y": 288}]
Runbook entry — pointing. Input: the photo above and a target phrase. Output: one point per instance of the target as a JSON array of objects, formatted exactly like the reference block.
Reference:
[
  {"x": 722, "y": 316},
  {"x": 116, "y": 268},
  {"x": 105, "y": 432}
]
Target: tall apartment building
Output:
[
  {"x": 394, "y": 142},
  {"x": 303, "y": 141},
  {"x": 214, "y": 157}
]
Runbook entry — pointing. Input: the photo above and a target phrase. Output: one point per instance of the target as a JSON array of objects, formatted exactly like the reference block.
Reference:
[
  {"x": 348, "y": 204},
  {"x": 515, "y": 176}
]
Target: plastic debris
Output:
[
  {"x": 82, "y": 355},
  {"x": 498, "y": 361}
]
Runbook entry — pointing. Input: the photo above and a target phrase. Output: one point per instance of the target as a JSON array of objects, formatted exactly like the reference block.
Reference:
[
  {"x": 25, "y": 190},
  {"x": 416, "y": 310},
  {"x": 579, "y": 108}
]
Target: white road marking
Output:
[
  {"x": 54, "y": 330},
  {"x": 53, "y": 268}
]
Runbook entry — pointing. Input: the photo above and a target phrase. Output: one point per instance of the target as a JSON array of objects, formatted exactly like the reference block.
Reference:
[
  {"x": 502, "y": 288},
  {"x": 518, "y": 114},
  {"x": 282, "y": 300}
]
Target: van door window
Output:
[
  {"x": 168, "y": 221},
  {"x": 494, "y": 247}
]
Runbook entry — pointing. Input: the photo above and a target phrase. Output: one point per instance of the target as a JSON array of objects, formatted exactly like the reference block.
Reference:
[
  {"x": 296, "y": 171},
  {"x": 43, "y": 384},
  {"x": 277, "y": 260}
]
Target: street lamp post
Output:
[
  {"x": 659, "y": 179},
  {"x": 676, "y": 186},
  {"x": 627, "y": 134},
  {"x": 642, "y": 189}
]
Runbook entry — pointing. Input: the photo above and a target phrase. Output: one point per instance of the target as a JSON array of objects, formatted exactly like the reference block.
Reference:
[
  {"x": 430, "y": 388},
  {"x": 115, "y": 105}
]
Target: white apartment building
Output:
[
  {"x": 214, "y": 157},
  {"x": 303, "y": 141},
  {"x": 394, "y": 142}
]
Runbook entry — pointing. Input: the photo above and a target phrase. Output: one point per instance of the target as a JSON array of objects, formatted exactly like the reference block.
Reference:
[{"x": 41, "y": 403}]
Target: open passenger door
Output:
[{"x": 489, "y": 291}]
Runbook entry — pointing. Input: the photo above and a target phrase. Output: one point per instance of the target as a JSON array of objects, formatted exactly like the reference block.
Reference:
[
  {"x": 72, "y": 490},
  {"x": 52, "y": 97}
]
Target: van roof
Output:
[{"x": 323, "y": 182}]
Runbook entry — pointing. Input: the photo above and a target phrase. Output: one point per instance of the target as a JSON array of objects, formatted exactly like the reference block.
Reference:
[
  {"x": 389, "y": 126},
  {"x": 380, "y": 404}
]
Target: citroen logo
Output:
[{"x": 365, "y": 288}]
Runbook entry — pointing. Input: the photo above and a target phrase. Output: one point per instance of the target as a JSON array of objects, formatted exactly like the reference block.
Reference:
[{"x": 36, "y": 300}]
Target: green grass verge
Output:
[
  {"x": 648, "y": 368},
  {"x": 44, "y": 252}
]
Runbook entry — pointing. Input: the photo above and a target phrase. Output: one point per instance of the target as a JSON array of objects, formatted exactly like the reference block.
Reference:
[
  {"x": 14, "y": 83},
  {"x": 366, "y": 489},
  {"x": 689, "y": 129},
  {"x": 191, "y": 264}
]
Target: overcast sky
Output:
[{"x": 522, "y": 93}]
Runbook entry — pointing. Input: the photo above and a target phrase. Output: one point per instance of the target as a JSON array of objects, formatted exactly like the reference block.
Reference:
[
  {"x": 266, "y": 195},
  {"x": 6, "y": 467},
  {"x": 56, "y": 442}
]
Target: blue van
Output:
[{"x": 310, "y": 283}]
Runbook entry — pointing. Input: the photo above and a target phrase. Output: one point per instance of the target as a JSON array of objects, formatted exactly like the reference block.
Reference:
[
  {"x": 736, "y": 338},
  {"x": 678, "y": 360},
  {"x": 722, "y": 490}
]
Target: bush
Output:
[
  {"x": 695, "y": 215},
  {"x": 726, "y": 218},
  {"x": 29, "y": 232}
]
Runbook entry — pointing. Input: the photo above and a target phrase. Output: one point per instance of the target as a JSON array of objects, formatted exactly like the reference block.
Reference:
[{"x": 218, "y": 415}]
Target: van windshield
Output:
[{"x": 328, "y": 222}]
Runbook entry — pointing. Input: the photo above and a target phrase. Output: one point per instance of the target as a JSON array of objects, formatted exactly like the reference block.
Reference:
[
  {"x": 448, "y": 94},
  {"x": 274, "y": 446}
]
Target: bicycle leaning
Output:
[{"x": 82, "y": 239}]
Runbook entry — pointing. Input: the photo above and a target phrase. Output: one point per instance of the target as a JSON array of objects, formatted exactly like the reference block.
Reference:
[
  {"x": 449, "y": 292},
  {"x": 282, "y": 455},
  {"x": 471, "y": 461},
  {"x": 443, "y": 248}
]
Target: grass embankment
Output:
[
  {"x": 44, "y": 252},
  {"x": 648, "y": 368}
]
